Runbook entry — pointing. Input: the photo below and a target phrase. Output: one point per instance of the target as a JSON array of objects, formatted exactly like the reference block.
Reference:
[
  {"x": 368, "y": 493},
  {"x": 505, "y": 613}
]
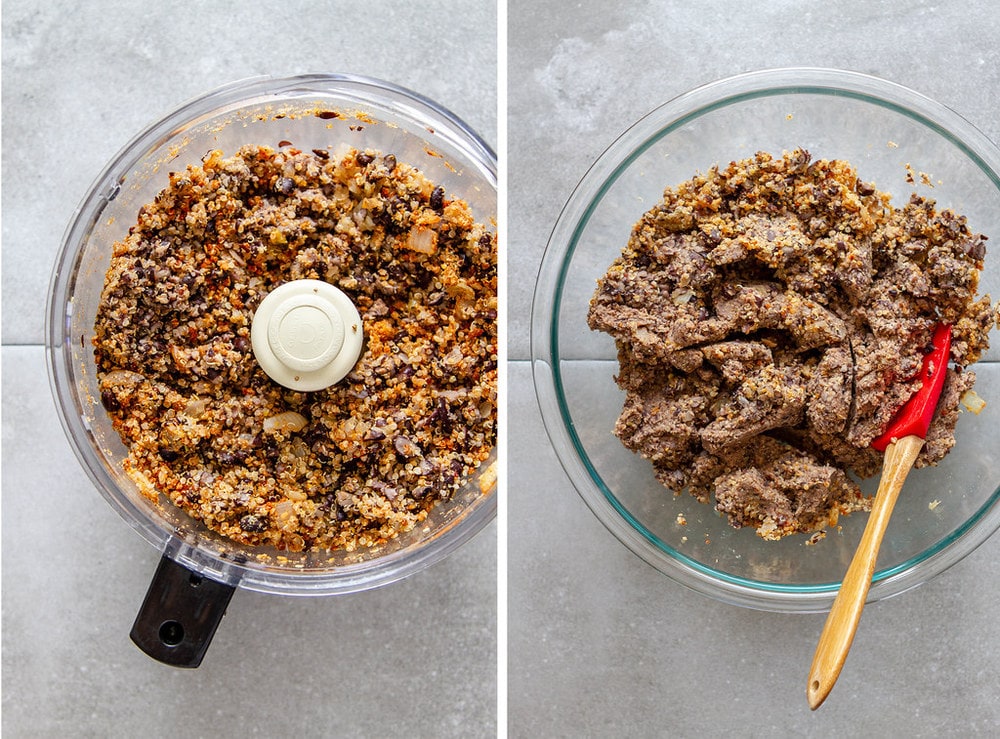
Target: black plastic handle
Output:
[{"x": 180, "y": 614}]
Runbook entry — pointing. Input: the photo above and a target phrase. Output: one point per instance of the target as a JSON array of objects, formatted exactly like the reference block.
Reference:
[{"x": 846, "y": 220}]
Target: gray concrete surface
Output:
[
  {"x": 600, "y": 644},
  {"x": 416, "y": 658}
]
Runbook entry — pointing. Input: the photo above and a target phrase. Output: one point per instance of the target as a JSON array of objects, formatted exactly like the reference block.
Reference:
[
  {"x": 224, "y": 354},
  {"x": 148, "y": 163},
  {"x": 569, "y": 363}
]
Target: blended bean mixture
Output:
[
  {"x": 349, "y": 466},
  {"x": 771, "y": 317}
]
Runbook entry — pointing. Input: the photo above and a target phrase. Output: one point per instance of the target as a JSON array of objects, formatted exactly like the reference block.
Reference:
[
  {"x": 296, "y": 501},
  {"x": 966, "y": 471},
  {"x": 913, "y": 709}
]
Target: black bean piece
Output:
[
  {"x": 231, "y": 458},
  {"x": 437, "y": 199},
  {"x": 396, "y": 272},
  {"x": 422, "y": 278},
  {"x": 253, "y": 524},
  {"x": 442, "y": 416},
  {"x": 421, "y": 492},
  {"x": 110, "y": 401},
  {"x": 975, "y": 249},
  {"x": 382, "y": 218}
]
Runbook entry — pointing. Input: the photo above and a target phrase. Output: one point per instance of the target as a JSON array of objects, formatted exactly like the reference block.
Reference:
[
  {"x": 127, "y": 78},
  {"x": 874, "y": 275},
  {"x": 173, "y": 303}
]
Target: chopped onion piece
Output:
[
  {"x": 681, "y": 296},
  {"x": 973, "y": 402},
  {"x": 287, "y": 421},
  {"x": 422, "y": 240}
]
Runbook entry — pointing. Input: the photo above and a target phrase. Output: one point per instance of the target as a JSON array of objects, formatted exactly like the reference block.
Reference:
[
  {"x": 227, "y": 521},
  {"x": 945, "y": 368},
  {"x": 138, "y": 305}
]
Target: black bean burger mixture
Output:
[
  {"x": 345, "y": 467},
  {"x": 770, "y": 319}
]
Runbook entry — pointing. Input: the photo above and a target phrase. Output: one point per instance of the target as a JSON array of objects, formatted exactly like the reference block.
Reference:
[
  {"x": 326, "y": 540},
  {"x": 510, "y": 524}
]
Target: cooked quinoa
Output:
[
  {"x": 771, "y": 317},
  {"x": 345, "y": 467}
]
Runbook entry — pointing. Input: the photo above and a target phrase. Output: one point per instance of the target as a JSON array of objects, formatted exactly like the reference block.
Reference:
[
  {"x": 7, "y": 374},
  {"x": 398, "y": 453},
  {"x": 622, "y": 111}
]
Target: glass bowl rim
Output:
[{"x": 546, "y": 304}]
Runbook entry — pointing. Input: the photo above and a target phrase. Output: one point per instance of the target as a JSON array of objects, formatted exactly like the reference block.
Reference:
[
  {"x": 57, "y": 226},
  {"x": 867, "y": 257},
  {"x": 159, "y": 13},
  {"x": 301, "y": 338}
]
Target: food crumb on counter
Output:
[{"x": 972, "y": 402}]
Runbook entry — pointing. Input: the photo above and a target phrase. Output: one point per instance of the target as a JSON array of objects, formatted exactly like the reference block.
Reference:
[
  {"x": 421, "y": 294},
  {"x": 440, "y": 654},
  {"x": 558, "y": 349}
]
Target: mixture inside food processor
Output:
[
  {"x": 770, "y": 319},
  {"x": 346, "y": 466}
]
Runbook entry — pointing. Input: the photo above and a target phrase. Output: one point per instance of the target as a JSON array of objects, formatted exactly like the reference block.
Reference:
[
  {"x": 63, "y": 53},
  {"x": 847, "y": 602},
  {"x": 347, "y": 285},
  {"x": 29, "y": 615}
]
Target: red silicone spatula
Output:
[{"x": 901, "y": 442}]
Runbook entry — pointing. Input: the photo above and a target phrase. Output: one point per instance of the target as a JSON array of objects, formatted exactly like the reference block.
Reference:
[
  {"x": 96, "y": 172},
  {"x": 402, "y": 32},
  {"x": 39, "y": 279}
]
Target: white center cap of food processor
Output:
[{"x": 306, "y": 335}]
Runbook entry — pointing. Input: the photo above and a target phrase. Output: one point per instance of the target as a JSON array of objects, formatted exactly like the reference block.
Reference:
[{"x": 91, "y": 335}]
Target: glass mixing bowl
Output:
[
  {"x": 881, "y": 128},
  {"x": 311, "y": 111}
]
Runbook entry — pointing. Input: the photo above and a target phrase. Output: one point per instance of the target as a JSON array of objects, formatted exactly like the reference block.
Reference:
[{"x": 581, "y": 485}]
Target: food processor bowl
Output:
[{"x": 311, "y": 111}]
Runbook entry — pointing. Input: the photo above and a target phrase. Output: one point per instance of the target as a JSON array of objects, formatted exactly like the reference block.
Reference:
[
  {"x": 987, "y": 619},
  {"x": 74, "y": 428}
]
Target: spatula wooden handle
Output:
[{"x": 842, "y": 622}]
